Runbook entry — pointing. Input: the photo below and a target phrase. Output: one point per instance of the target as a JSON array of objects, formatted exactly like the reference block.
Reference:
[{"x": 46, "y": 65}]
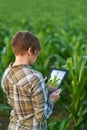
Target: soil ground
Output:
[{"x": 4, "y": 121}]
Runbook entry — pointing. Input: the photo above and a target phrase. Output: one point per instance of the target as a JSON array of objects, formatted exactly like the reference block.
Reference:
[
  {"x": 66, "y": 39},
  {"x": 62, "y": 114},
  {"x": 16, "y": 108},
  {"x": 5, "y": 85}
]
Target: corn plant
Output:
[
  {"x": 59, "y": 124},
  {"x": 76, "y": 86},
  {"x": 76, "y": 102}
]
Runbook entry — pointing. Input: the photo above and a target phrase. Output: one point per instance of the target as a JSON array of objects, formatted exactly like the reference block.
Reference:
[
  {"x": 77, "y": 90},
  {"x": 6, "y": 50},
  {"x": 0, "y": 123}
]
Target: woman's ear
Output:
[{"x": 29, "y": 51}]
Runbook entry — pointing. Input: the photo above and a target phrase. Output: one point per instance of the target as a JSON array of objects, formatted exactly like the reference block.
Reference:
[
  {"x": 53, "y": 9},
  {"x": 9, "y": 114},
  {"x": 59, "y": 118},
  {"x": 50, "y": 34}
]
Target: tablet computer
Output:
[{"x": 55, "y": 78}]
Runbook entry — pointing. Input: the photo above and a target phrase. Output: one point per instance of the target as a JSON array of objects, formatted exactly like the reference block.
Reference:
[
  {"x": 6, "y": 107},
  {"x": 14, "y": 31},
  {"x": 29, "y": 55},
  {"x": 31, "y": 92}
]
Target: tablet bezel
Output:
[{"x": 62, "y": 70}]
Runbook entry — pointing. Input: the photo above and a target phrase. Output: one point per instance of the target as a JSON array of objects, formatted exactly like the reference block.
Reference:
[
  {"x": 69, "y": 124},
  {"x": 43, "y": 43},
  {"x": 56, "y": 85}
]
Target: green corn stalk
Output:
[
  {"x": 59, "y": 125},
  {"x": 78, "y": 72}
]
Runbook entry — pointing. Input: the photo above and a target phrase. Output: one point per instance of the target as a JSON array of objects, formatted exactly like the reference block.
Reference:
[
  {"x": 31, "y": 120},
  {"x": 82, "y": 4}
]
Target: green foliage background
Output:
[{"x": 62, "y": 29}]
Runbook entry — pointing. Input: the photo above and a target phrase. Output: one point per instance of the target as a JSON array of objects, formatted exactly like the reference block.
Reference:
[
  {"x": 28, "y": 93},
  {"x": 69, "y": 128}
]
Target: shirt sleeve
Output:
[{"x": 42, "y": 106}]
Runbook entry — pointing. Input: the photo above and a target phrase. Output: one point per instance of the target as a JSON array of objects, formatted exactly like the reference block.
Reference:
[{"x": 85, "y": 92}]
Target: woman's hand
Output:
[
  {"x": 45, "y": 79},
  {"x": 55, "y": 95}
]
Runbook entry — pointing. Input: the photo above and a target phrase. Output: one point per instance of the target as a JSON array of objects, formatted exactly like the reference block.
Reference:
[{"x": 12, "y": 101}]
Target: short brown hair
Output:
[{"x": 23, "y": 40}]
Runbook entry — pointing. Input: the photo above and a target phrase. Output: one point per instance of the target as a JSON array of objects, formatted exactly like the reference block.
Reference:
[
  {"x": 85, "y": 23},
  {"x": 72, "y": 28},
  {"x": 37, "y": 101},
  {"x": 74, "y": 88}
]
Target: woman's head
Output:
[{"x": 22, "y": 41}]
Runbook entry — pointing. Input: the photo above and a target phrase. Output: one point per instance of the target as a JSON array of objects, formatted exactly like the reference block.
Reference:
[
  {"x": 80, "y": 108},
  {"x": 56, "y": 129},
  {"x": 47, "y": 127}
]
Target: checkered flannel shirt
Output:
[{"x": 28, "y": 96}]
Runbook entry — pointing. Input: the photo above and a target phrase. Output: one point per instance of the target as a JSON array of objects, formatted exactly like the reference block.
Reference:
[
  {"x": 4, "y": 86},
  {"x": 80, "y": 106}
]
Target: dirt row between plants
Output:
[{"x": 4, "y": 121}]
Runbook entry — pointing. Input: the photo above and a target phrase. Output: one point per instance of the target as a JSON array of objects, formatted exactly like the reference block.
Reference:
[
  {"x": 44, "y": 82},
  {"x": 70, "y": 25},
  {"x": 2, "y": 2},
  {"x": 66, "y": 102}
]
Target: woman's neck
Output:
[{"x": 20, "y": 60}]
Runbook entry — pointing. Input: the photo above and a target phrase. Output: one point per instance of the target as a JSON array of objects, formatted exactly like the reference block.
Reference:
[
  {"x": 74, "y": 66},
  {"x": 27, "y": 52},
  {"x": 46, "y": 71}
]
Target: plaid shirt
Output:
[{"x": 28, "y": 96}]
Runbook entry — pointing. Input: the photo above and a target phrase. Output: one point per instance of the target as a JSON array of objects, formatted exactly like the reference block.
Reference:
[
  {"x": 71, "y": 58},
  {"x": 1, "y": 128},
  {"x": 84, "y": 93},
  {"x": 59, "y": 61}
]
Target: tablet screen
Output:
[{"x": 56, "y": 77}]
